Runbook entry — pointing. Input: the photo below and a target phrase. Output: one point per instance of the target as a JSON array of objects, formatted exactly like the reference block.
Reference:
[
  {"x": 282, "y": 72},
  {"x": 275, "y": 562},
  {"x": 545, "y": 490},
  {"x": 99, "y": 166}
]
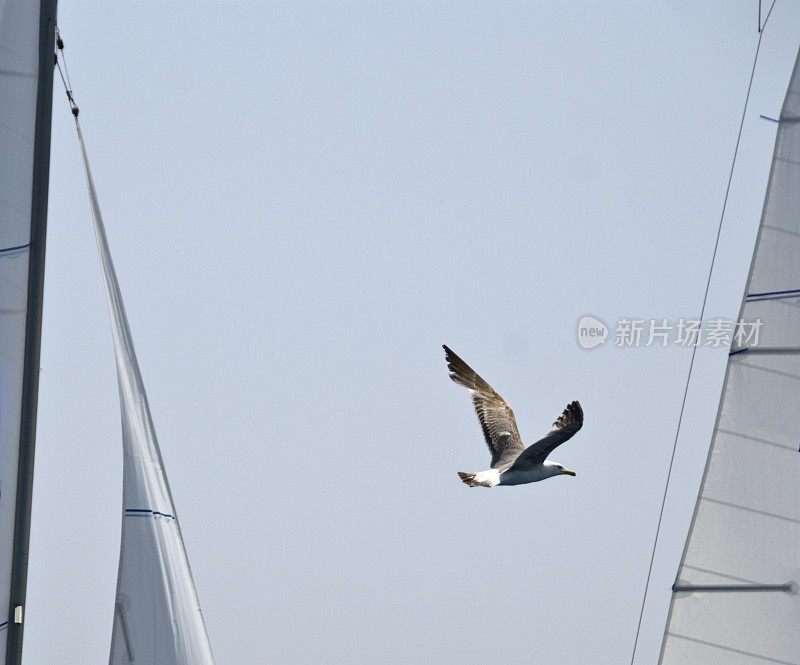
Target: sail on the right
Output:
[{"x": 736, "y": 598}]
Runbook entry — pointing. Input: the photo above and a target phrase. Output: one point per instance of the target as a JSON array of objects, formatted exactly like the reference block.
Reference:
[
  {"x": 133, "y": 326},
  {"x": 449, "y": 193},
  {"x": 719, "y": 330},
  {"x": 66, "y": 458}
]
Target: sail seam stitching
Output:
[
  {"x": 770, "y": 370},
  {"x": 786, "y": 160},
  {"x": 718, "y": 574},
  {"x": 749, "y": 509},
  {"x": 756, "y": 439},
  {"x": 18, "y": 73},
  {"x": 741, "y": 651},
  {"x": 778, "y": 228},
  {"x": 785, "y": 302}
]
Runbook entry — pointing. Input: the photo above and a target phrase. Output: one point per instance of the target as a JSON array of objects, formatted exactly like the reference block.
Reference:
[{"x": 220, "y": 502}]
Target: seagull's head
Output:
[{"x": 567, "y": 472}]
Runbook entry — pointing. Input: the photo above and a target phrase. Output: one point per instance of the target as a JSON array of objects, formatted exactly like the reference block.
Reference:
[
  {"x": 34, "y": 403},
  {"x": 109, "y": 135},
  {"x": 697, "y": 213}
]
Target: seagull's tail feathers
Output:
[
  {"x": 467, "y": 478},
  {"x": 482, "y": 479}
]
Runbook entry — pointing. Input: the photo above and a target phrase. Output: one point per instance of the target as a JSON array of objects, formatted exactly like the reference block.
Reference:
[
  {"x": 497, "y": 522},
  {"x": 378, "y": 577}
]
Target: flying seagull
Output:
[{"x": 512, "y": 463}]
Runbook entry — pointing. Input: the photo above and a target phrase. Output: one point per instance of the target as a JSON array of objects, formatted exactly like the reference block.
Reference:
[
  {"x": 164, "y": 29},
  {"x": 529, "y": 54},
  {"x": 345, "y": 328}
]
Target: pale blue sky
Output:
[{"x": 304, "y": 201}]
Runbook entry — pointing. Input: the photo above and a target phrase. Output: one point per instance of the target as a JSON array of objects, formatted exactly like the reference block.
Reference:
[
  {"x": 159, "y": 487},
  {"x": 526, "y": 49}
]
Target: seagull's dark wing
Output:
[
  {"x": 563, "y": 429},
  {"x": 494, "y": 414}
]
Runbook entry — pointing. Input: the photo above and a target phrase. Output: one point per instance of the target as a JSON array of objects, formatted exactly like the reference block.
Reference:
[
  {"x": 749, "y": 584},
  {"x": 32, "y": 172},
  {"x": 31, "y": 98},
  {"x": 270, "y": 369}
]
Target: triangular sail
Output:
[
  {"x": 157, "y": 617},
  {"x": 27, "y": 36},
  {"x": 735, "y": 600}
]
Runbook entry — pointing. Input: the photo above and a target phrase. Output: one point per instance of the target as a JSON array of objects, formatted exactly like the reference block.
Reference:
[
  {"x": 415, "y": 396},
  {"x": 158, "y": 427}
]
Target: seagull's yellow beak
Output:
[{"x": 570, "y": 473}]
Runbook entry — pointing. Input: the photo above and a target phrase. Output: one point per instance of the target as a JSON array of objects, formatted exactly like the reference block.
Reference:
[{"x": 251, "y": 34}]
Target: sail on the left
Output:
[{"x": 27, "y": 38}]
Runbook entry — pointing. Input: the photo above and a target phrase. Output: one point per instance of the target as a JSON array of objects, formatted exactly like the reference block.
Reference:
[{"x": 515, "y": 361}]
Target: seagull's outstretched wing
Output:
[
  {"x": 494, "y": 414},
  {"x": 563, "y": 429}
]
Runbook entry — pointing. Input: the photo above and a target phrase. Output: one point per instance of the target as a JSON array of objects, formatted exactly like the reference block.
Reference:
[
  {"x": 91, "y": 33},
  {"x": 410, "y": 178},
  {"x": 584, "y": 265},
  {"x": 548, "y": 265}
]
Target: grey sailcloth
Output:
[
  {"x": 157, "y": 617},
  {"x": 735, "y": 599},
  {"x": 26, "y": 37}
]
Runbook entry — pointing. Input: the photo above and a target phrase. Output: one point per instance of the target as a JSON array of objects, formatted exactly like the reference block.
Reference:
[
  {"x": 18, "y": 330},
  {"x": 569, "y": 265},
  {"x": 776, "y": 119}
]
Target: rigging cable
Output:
[
  {"x": 694, "y": 348},
  {"x": 763, "y": 25},
  {"x": 60, "y": 46},
  {"x": 67, "y": 84}
]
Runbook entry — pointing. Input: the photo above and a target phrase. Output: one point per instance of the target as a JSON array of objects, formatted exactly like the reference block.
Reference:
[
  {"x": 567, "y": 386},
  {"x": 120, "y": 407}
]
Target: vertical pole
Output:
[{"x": 33, "y": 329}]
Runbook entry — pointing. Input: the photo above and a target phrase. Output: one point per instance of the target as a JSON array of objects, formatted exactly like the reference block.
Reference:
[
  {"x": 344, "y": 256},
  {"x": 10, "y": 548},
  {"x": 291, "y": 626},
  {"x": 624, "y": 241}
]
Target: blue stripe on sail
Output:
[
  {"x": 14, "y": 249},
  {"x": 147, "y": 511},
  {"x": 3, "y": 625},
  {"x": 733, "y": 353},
  {"x": 773, "y": 295}
]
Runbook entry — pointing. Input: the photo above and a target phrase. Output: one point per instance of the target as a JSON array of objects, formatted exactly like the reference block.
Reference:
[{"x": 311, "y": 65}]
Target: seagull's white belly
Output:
[{"x": 531, "y": 475}]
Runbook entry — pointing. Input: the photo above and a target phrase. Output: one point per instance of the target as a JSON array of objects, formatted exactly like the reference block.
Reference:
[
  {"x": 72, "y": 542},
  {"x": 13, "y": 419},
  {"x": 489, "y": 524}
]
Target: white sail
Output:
[
  {"x": 157, "y": 617},
  {"x": 736, "y": 600},
  {"x": 26, "y": 32}
]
